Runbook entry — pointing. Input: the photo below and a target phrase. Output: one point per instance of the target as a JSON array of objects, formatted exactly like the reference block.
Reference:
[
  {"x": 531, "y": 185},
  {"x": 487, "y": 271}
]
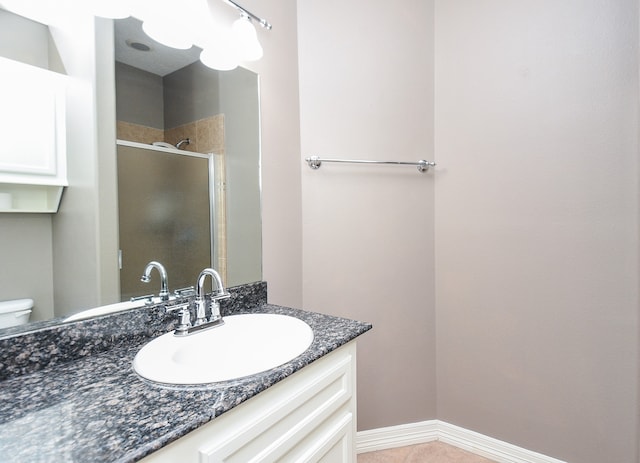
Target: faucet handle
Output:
[
  {"x": 220, "y": 296},
  {"x": 185, "y": 292},
  {"x": 178, "y": 306},
  {"x": 185, "y": 322},
  {"x": 215, "y": 305},
  {"x": 184, "y": 313},
  {"x": 148, "y": 299},
  {"x": 215, "y": 311}
]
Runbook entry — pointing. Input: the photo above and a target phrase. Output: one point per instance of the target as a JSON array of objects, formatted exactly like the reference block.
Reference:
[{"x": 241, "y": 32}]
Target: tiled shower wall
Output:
[
  {"x": 138, "y": 133},
  {"x": 206, "y": 135}
]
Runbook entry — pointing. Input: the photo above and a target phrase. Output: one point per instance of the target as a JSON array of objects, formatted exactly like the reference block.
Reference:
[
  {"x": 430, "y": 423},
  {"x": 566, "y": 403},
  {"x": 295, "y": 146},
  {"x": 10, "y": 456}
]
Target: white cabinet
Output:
[
  {"x": 33, "y": 169},
  {"x": 307, "y": 417}
]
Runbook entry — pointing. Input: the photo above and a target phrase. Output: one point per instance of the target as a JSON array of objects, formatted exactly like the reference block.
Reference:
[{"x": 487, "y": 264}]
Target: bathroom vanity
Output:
[
  {"x": 69, "y": 393},
  {"x": 309, "y": 416}
]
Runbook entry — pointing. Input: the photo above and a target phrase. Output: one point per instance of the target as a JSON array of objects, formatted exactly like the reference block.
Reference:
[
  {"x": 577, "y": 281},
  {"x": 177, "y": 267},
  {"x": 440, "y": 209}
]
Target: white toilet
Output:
[{"x": 15, "y": 312}]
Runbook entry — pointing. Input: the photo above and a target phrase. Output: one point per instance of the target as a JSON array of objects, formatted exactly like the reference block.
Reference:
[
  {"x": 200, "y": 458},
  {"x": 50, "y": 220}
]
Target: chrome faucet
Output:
[
  {"x": 164, "y": 285},
  {"x": 184, "y": 307},
  {"x": 200, "y": 301}
]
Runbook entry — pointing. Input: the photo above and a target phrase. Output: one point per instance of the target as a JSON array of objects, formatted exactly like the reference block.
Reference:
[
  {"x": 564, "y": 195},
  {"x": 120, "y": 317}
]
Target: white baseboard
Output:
[
  {"x": 396, "y": 436},
  {"x": 429, "y": 431}
]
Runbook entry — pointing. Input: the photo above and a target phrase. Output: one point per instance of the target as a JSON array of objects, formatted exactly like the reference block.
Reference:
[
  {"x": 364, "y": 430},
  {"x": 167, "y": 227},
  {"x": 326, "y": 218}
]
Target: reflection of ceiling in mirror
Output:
[{"x": 160, "y": 59}]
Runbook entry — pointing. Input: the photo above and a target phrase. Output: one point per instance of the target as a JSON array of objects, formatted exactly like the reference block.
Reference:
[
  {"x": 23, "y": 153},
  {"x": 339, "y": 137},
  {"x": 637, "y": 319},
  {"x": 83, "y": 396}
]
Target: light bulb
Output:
[
  {"x": 164, "y": 32},
  {"x": 219, "y": 58},
  {"x": 246, "y": 39}
]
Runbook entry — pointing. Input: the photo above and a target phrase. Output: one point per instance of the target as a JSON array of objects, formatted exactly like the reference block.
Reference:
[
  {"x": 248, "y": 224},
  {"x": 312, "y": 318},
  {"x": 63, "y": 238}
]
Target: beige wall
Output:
[
  {"x": 85, "y": 267},
  {"x": 536, "y": 224},
  {"x": 241, "y": 111},
  {"x": 366, "y": 86},
  {"x": 536, "y": 236},
  {"x": 26, "y": 256},
  {"x": 24, "y": 40},
  {"x": 140, "y": 97},
  {"x": 280, "y": 144},
  {"x": 107, "y": 211}
]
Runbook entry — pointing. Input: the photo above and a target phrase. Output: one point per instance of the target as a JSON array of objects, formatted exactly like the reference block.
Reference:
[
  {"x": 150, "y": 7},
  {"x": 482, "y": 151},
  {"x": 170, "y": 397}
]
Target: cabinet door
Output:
[
  {"x": 32, "y": 123},
  {"x": 299, "y": 423},
  {"x": 33, "y": 165},
  {"x": 330, "y": 442},
  {"x": 341, "y": 449}
]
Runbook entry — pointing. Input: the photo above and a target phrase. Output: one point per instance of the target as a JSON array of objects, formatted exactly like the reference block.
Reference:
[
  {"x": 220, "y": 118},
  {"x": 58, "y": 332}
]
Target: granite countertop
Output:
[{"x": 95, "y": 408}]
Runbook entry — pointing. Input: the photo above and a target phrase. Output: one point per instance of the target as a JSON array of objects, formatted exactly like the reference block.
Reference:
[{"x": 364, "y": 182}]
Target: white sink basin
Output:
[
  {"x": 245, "y": 345},
  {"x": 105, "y": 309}
]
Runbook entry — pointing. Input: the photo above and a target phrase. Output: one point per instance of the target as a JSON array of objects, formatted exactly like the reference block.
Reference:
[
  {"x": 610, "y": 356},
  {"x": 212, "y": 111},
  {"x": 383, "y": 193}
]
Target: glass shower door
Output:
[{"x": 165, "y": 213}]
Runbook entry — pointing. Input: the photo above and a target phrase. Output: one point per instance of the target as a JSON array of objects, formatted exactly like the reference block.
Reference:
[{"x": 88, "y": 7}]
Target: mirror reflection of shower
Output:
[
  {"x": 195, "y": 109},
  {"x": 220, "y": 107},
  {"x": 166, "y": 212}
]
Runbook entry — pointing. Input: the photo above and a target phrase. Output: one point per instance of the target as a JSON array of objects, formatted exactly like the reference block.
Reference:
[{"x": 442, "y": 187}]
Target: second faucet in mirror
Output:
[{"x": 164, "y": 284}]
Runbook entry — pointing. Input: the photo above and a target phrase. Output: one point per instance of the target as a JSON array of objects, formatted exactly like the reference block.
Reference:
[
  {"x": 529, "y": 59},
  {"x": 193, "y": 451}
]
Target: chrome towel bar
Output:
[{"x": 315, "y": 162}]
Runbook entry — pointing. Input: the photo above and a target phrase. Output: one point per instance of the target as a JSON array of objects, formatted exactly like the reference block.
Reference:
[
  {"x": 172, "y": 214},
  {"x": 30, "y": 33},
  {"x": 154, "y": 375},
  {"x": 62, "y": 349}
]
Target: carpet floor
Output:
[{"x": 431, "y": 452}]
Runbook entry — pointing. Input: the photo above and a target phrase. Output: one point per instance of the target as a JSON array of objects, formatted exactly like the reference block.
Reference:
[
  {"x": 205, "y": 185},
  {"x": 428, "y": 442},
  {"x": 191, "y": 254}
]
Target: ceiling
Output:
[{"x": 160, "y": 59}]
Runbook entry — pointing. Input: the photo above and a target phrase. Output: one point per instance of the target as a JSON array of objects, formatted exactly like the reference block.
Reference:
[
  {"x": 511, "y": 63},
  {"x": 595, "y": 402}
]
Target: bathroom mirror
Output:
[{"x": 218, "y": 112}]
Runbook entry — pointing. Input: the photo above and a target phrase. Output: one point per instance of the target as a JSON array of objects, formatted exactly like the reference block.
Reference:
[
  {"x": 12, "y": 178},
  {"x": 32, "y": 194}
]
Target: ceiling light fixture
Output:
[
  {"x": 224, "y": 52},
  {"x": 178, "y": 26},
  {"x": 246, "y": 40},
  {"x": 218, "y": 55},
  {"x": 164, "y": 31},
  {"x": 263, "y": 22}
]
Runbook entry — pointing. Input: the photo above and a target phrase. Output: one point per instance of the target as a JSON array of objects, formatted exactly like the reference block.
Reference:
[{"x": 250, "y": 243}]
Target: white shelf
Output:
[{"x": 15, "y": 198}]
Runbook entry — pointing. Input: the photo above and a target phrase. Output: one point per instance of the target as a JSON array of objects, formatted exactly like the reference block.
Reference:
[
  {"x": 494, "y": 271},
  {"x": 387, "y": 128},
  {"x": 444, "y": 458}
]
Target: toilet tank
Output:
[{"x": 15, "y": 312}]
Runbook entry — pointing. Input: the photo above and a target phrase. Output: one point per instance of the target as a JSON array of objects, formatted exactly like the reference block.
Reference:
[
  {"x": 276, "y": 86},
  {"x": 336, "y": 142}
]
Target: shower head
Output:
[{"x": 184, "y": 141}]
